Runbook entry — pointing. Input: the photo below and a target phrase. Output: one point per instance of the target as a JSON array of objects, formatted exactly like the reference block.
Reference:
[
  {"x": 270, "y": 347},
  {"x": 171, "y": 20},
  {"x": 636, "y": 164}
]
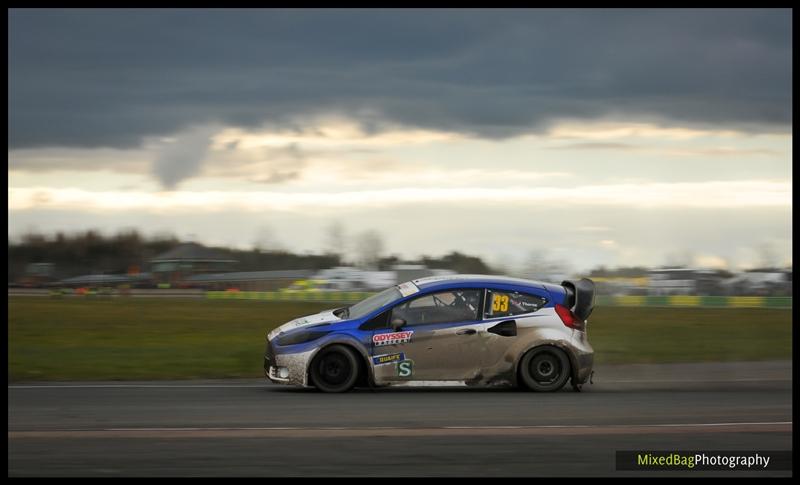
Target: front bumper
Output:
[
  {"x": 286, "y": 368},
  {"x": 272, "y": 370},
  {"x": 273, "y": 373}
]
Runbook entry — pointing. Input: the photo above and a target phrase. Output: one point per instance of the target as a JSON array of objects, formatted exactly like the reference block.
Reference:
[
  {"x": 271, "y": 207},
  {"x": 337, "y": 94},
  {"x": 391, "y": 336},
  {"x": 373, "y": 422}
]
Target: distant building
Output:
[
  {"x": 247, "y": 280},
  {"x": 37, "y": 275},
  {"x": 187, "y": 260},
  {"x": 761, "y": 282},
  {"x": 408, "y": 272},
  {"x": 140, "y": 280},
  {"x": 348, "y": 278},
  {"x": 685, "y": 281},
  {"x": 343, "y": 278},
  {"x": 618, "y": 285}
]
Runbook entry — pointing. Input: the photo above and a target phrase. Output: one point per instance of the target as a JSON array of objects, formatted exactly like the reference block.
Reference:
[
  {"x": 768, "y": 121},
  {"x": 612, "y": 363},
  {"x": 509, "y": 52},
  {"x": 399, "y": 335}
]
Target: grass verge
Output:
[{"x": 123, "y": 339}]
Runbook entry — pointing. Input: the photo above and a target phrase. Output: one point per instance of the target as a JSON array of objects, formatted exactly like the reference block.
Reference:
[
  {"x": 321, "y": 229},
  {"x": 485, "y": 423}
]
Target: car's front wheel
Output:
[
  {"x": 545, "y": 369},
  {"x": 335, "y": 369}
]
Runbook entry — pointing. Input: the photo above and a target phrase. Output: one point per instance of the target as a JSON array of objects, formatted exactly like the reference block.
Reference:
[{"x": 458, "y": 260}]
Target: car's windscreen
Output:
[{"x": 365, "y": 307}]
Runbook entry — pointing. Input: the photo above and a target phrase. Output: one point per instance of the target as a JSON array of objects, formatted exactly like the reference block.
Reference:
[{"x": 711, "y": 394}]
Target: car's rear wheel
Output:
[
  {"x": 545, "y": 369},
  {"x": 335, "y": 369}
]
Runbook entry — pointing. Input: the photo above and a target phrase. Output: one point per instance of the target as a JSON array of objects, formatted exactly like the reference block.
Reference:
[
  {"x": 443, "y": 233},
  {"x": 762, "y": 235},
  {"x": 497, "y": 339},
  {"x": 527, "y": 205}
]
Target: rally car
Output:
[{"x": 469, "y": 330}]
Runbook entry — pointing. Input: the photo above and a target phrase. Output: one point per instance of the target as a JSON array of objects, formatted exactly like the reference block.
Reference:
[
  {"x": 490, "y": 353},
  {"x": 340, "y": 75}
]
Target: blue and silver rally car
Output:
[{"x": 466, "y": 329}]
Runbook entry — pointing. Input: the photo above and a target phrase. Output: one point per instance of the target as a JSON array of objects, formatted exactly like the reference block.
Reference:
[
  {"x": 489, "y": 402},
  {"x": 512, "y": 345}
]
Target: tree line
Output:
[{"x": 91, "y": 252}]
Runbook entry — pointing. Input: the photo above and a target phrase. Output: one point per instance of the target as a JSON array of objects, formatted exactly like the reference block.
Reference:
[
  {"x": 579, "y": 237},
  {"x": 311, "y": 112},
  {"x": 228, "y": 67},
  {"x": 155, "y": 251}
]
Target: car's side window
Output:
[
  {"x": 501, "y": 303},
  {"x": 379, "y": 321},
  {"x": 423, "y": 301},
  {"x": 442, "y": 307}
]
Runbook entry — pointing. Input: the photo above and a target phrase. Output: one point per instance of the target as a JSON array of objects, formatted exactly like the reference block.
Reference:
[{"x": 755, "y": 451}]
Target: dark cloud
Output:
[
  {"x": 182, "y": 158},
  {"x": 110, "y": 78}
]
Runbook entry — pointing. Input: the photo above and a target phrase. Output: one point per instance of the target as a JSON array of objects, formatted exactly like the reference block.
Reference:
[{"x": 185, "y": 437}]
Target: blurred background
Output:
[
  {"x": 304, "y": 159},
  {"x": 180, "y": 182},
  {"x": 116, "y": 264}
]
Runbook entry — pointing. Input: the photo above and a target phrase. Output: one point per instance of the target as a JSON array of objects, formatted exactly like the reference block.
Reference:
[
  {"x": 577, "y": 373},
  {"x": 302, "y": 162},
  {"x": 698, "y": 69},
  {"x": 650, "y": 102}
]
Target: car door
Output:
[
  {"x": 482, "y": 352},
  {"x": 508, "y": 315},
  {"x": 433, "y": 342}
]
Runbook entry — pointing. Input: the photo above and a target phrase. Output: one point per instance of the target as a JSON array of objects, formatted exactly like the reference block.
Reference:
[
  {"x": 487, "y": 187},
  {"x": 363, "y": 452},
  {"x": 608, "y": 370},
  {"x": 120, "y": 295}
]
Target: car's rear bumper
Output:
[
  {"x": 584, "y": 358},
  {"x": 585, "y": 367}
]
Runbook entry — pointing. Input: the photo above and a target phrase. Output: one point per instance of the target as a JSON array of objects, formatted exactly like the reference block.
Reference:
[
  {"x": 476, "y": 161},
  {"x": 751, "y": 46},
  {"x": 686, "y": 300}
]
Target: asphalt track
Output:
[{"x": 252, "y": 428}]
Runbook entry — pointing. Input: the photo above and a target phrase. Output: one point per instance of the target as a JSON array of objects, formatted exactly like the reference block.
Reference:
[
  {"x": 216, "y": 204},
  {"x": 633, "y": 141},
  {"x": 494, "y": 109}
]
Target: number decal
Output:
[{"x": 500, "y": 302}]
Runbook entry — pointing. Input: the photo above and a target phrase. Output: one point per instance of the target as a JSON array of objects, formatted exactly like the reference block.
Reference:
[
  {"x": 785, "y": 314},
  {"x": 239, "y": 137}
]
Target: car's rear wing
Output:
[{"x": 580, "y": 297}]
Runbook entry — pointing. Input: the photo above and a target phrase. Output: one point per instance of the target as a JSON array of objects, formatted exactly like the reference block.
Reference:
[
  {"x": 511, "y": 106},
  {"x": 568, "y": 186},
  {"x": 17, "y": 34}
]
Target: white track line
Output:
[
  {"x": 341, "y": 432},
  {"x": 135, "y": 386},
  {"x": 543, "y": 426},
  {"x": 692, "y": 381}
]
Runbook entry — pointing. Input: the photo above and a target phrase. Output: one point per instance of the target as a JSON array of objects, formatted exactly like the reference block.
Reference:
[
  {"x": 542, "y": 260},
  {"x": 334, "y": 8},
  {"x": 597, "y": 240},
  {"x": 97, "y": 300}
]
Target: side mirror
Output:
[{"x": 397, "y": 323}]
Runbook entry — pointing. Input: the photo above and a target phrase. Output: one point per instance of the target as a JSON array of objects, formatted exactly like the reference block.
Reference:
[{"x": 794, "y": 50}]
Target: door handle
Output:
[{"x": 467, "y": 331}]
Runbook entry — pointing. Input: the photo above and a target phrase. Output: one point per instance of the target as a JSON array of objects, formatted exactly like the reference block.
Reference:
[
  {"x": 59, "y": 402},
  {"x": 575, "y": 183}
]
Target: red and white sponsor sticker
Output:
[{"x": 392, "y": 338}]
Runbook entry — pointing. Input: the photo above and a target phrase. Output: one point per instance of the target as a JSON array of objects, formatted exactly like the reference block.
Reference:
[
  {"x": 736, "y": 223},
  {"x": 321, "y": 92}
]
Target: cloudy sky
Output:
[{"x": 594, "y": 137}]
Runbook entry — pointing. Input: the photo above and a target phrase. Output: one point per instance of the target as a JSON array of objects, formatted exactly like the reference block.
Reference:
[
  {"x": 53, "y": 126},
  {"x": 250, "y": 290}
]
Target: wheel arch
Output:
[
  {"x": 573, "y": 359},
  {"x": 367, "y": 371}
]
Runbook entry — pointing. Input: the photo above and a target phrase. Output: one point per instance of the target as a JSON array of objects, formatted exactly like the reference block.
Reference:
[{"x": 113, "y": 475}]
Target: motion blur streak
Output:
[
  {"x": 700, "y": 194},
  {"x": 782, "y": 427},
  {"x": 273, "y": 430}
]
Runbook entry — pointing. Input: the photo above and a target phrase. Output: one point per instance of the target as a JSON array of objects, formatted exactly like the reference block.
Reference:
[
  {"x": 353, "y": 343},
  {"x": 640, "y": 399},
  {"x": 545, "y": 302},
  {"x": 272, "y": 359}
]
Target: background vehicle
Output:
[{"x": 470, "y": 329}]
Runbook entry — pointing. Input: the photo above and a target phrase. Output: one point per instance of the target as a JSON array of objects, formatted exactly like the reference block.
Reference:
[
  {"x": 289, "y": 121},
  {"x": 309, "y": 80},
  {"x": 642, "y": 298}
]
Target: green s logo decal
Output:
[{"x": 405, "y": 368}]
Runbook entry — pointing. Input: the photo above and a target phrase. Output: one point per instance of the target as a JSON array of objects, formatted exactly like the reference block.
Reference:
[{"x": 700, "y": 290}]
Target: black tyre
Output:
[
  {"x": 335, "y": 369},
  {"x": 545, "y": 369}
]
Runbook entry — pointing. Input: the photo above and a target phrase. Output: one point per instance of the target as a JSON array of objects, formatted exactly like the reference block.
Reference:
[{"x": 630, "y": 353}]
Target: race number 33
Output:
[{"x": 500, "y": 302}]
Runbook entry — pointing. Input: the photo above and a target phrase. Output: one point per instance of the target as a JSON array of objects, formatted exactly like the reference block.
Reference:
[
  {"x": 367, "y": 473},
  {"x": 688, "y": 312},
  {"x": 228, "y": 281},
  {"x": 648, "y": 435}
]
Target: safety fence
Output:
[{"x": 696, "y": 301}]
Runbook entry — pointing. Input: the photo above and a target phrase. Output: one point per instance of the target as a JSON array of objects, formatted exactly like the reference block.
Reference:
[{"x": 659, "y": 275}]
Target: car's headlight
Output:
[{"x": 299, "y": 337}]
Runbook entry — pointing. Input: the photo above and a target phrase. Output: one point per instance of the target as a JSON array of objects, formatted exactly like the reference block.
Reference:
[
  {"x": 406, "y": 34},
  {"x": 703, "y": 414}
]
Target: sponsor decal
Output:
[
  {"x": 407, "y": 288},
  {"x": 405, "y": 368},
  {"x": 527, "y": 304},
  {"x": 392, "y": 338},
  {"x": 388, "y": 358}
]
